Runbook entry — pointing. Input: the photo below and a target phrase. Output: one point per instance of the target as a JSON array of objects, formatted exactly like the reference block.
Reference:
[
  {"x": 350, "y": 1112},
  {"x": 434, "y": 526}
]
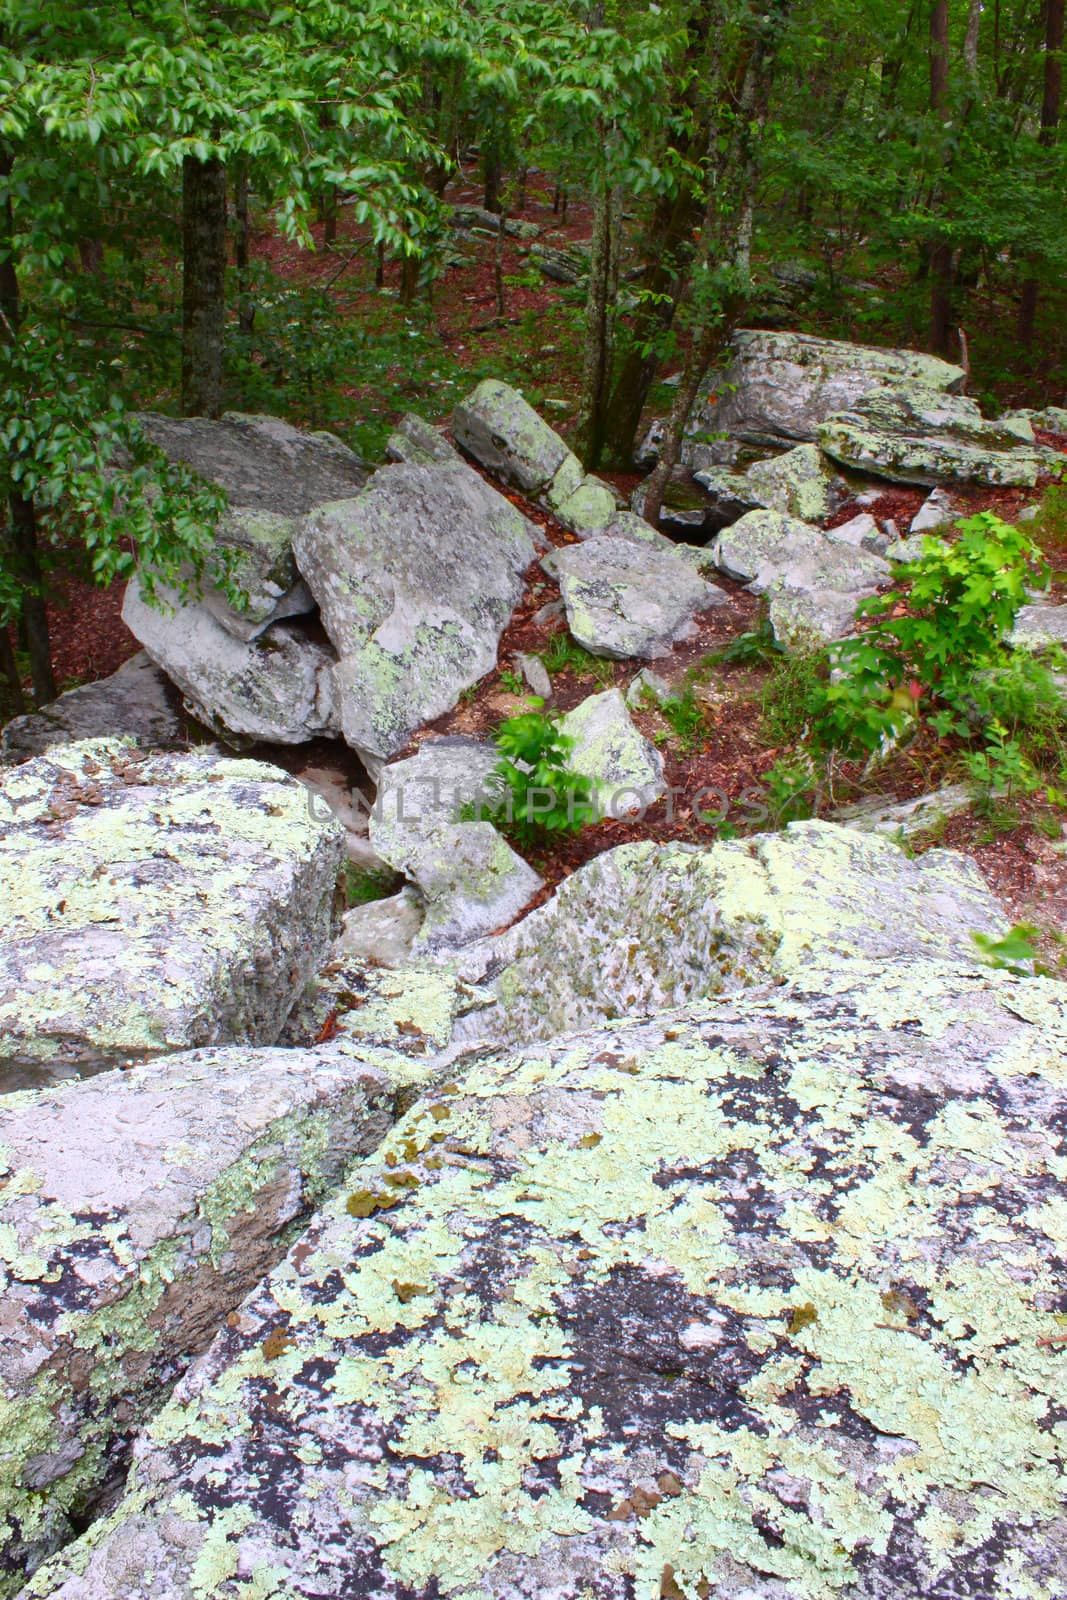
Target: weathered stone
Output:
[
  {"x": 862, "y": 532},
  {"x": 800, "y": 482},
  {"x": 477, "y": 219},
  {"x": 936, "y": 511},
  {"x": 470, "y": 878},
  {"x": 135, "y": 701},
  {"x": 1052, "y": 418},
  {"x": 136, "y": 1209},
  {"x": 757, "y": 1300},
  {"x": 383, "y": 931},
  {"x": 906, "y": 818},
  {"x": 567, "y": 480},
  {"x": 648, "y": 684},
  {"x": 628, "y": 525},
  {"x": 589, "y": 510},
  {"x": 410, "y": 1010},
  {"x": 805, "y": 619},
  {"x": 416, "y": 579},
  {"x": 277, "y": 687},
  {"x": 913, "y": 548},
  {"x": 272, "y": 474},
  {"x": 151, "y": 903},
  {"x": 568, "y": 265},
  {"x": 765, "y": 549},
  {"x": 1040, "y": 625},
  {"x": 647, "y": 926},
  {"x": 625, "y": 600},
  {"x": 624, "y": 768},
  {"x": 536, "y": 675},
  {"x": 781, "y": 386},
  {"x": 503, "y": 432},
  {"x": 413, "y": 439},
  {"x": 926, "y": 437}
]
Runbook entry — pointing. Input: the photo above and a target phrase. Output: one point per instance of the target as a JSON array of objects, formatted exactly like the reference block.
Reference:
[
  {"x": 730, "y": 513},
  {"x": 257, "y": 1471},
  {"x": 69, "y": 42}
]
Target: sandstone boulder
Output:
[{"x": 624, "y": 599}]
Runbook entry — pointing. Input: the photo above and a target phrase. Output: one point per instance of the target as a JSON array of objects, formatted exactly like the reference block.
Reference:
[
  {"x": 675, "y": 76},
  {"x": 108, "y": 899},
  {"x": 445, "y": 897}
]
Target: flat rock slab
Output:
[
  {"x": 801, "y": 483},
  {"x": 803, "y": 619},
  {"x": 648, "y": 925},
  {"x": 767, "y": 548},
  {"x": 416, "y": 579},
  {"x": 136, "y": 701},
  {"x": 929, "y": 438},
  {"x": 152, "y": 903},
  {"x": 471, "y": 880},
  {"x": 277, "y": 688},
  {"x": 624, "y": 599},
  {"x": 625, "y": 768},
  {"x": 1040, "y": 625},
  {"x": 272, "y": 474},
  {"x": 136, "y": 1209},
  {"x": 755, "y": 1300}
]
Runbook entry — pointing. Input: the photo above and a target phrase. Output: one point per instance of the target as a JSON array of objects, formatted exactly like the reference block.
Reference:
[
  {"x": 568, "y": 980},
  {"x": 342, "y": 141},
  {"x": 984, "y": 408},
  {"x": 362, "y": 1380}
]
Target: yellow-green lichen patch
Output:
[{"x": 761, "y": 1297}]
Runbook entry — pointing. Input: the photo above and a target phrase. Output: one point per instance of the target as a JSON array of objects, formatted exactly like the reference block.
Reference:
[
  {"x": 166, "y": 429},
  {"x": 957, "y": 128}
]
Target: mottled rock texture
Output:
[
  {"x": 648, "y": 925},
  {"x": 1039, "y": 625},
  {"x": 781, "y": 386},
  {"x": 767, "y": 548},
  {"x": 416, "y": 579},
  {"x": 151, "y": 903},
  {"x": 414, "y": 439},
  {"x": 625, "y": 599},
  {"x": 135, "y": 1211},
  {"x": 930, "y": 438},
  {"x": 624, "y": 768},
  {"x": 503, "y": 432},
  {"x": 136, "y": 701},
  {"x": 277, "y": 687},
  {"x": 761, "y": 1300}
]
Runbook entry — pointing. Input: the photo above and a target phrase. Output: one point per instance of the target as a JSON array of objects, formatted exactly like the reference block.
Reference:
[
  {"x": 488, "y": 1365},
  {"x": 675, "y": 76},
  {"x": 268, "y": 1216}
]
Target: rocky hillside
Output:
[{"x": 404, "y": 1196}]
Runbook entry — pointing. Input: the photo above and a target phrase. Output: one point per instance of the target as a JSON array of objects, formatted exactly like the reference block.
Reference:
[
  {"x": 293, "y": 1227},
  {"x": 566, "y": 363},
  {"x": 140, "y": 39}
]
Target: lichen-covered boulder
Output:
[
  {"x": 800, "y": 482},
  {"x": 272, "y": 474},
  {"x": 760, "y": 1300},
  {"x": 806, "y": 619},
  {"x": 416, "y": 579},
  {"x": 780, "y": 386},
  {"x": 151, "y": 903},
  {"x": 626, "y": 599},
  {"x": 937, "y": 511},
  {"x": 904, "y": 819},
  {"x": 624, "y": 768},
  {"x": 925, "y": 437},
  {"x": 589, "y": 510},
  {"x": 414, "y": 439},
  {"x": 766, "y": 548},
  {"x": 135, "y": 701},
  {"x": 1039, "y": 625},
  {"x": 136, "y": 1209},
  {"x": 504, "y": 433},
  {"x": 277, "y": 687},
  {"x": 649, "y": 925},
  {"x": 411, "y": 1010},
  {"x": 470, "y": 878}
]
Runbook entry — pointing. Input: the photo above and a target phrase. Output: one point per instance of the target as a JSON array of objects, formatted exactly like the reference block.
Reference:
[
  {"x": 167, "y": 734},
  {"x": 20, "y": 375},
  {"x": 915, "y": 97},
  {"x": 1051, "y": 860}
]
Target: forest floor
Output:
[{"x": 425, "y": 361}]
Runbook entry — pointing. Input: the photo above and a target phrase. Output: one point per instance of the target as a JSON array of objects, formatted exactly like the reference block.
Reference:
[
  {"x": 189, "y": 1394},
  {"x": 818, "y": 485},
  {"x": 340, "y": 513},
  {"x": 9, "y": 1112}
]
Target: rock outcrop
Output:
[
  {"x": 136, "y": 1209},
  {"x": 416, "y": 579},
  {"x": 136, "y": 701},
  {"x": 152, "y": 903},
  {"x": 624, "y": 768},
  {"x": 755, "y": 1299},
  {"x": 925, "y": 437}
]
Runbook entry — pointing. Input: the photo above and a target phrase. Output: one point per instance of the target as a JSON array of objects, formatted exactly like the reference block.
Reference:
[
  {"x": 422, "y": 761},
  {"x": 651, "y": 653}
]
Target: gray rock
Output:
[
  {"x": 648, "y": 926},
  {"x": 136, "y": 1210},
  {"x": 536, "y": 675},
  {"x": 153, "y": 903},
  {"x": 766, "y": 549},
  {"x": 569, "y": 265},
  {"x": 410, "y": 1010},
  {"x": 628, "y": 525},
  {"x": 272, "y": 474},
  {"x": 805, "y": 619},
  {"x": 731, "y": 493},
  {"x": 135, "y": 701},
  {"x": 503, "y": 432},
  {"x": 625, "y": 768},
  {"x": 751, "y": 1300},
  {"x": 913, "y": 548},
  {"x": 416, "y": 579},
  {"x": 907, "y": 818},
  {"x": 416, "y": 440},
  {"x": 781, "y": 386},
  {"x": 471, "y": 880},
  {"x": 648, "y": 683},
  {"x": 588, "y": 511},
  {"x": 1052, "y": 418},
  {"x": 625, "y": 600},
  {"x": 1038, "y": 626},
  {"x": 862, "y": 532},
  {"x": 926, "y": 437},
  {"x": 278, "y": 687},
  {"x": 800, "y": 482},
  {"x": 936, "y": 511},
  {"x": 383, "y": 931}
]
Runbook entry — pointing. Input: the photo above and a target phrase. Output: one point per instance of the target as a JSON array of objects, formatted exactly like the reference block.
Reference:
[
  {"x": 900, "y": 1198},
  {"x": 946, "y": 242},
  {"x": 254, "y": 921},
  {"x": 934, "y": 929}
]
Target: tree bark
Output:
[
  {"x": 596, "y": 352},
  {"x": 970, "y": 42},
  {"x": 9, "y": 667},
  {"x": 941, "y": 317},
  {"x": 1051, "y": 103},
  {"x": 203, "y": 285},
  {"x": 246, "y": 311}
]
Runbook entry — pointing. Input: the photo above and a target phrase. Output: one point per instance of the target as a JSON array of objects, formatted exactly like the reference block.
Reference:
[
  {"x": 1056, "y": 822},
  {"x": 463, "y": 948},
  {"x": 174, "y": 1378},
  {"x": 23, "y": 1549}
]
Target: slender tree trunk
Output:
[
  {"x": 970, "y": 42},
  {"x": 596, "y": 354},
  {"x": 9, "y": 667},
  {"x": 941, "y": 318},
  {"x": 1051, "y": 102},
  {"x": 22, "y": 535},
  {"x": 498, "y": 268},
  {"x": 246, "y": 311},
  {"x": 492, "y": 173},
  {"x": 203, "y": 285}
]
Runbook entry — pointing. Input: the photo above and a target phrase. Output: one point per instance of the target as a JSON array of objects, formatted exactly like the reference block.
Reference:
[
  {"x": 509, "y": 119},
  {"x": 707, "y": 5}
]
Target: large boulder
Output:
[
  {"x": 136, "y": 1209},
  {"x": 136, "y": 701},
  {"x": 625, "y": 598},
  {"x": 151, "y": 903},
  {"x": 277, "y": 687},
  {"x": 502, "y": 431},
  {"x": 416, "y": 579},
  {"x": 925, "y": 437},
  {"x": 624, "y": 768},
  {"x": 756, "y": 1300},
  {"x": 800, "y": 482},
  {"x": 780, "y": 386},
  {"x": 471, "y": 880},
  {"x": 647, "y": 925},
  {"x": 272, "y": 474},
  {"x": 766, "y": 549}
]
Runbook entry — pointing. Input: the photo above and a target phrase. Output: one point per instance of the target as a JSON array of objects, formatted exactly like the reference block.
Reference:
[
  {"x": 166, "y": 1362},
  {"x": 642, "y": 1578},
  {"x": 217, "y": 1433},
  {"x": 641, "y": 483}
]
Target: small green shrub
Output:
[
  {"x": 564, "y": 654},
  {"x": 361, "y": 885},
  {"x": 757, "y": 648},
  {"x": 1014, "y": 953},
  {"x": 535, "y": 794},
  {"x": 687, "y": 718},
  {"x": 512, "y": 682},
  {"x": 793, "y": 696},
  {"x": 793, "y": 786}
]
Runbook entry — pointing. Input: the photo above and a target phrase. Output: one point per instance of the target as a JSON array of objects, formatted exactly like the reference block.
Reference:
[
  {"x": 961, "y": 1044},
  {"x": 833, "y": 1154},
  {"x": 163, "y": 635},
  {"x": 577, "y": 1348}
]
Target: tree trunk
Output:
[
  {"x": 596, "y": 354},
  {"x": 492, "y": 171},
  {"x": 970, "y": 42},
  {"x": 203, "y": 285},
  {"x": 9, "y": 667},
  {"x": 1051, "y": 101},
  {"x": 941, "y": 317},
  {"x": 246, "y": 311}
]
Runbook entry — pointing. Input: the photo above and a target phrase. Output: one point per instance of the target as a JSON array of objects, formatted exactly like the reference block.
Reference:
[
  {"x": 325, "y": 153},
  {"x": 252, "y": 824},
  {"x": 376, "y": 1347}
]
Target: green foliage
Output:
[
  {"x": 792, "y": 696},
  {"x": 535, "y": 795},
  {"x": 687, "y": 717},
  {"x": 1015, "y": 952},
  {"x": 362, "y": 885},
  {"x": 512, "y": 682},
  {"x": 564, "y": 654},
  {"x": 756, "y": 648},
  {"x": 792, "y": 788}
]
